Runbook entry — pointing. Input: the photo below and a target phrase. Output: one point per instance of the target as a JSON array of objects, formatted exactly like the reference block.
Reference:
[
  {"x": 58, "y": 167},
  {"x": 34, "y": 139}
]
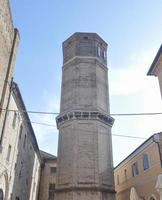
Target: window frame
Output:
[
  {"x": 8, "y": 152},
  {"x": 53, "y": 170},
  {"x": 14, "y": 120},
  {"x": 2, "y": 194},
  {"x": 51, "y": 191},
  {"x": 146, "y": 161},
  {"x": 135, "y": 171}
]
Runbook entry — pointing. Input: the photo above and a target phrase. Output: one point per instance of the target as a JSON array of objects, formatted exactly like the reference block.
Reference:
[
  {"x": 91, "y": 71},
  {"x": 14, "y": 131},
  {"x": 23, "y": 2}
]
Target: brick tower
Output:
[{"x": 85, "y": 168}]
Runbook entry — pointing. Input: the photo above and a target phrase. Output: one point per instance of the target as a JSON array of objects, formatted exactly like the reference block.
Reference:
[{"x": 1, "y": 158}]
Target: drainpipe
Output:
[
  {"x": 16, "y": 35},
  {"x": 5, "y": 117}
]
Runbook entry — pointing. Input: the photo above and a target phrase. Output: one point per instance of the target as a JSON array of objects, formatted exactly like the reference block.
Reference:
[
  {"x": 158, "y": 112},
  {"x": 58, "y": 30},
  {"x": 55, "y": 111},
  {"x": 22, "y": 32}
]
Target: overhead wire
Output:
[
  {"x": 56, "y": 113},
  {"x": 118, "y": 135}
]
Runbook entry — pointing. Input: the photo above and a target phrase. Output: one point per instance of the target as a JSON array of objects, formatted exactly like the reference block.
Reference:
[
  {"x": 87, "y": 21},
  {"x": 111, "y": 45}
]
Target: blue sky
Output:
[{"x": 133, "y": 31}]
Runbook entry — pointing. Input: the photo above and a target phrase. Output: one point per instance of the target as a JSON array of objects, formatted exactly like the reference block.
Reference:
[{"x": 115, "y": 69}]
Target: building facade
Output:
[
  {"x": 20, "y": 159},
  {"x": 85, "y": 167},
  {"x": 48, "y": 176},
  {"x": 140, "y": 170},
  {"x": 9, "y": 39},
  {"x": 156, "y": 67}
]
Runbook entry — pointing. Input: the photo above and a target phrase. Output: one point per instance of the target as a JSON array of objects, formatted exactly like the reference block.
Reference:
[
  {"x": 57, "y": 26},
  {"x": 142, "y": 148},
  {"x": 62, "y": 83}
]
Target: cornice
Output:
[{"x": 84, "y": 115}]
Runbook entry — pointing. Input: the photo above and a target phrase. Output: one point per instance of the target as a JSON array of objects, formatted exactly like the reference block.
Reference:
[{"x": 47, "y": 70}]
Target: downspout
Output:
[
  {"x": 16, "y": 33},
  {"x": 6, "y": 111}
]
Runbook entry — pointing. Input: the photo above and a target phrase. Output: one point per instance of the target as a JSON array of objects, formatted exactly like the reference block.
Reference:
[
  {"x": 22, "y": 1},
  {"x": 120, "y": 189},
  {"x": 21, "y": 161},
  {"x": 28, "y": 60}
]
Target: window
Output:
[
  {"x": 51, "y": 191},
  {"x": 104, "y": 55},
  {"x": 20, "y": 132},
  {"x": 14, "y": 120},
  {"x": 152, "y": 197},
  {"x": 53, "y": 170},
  {"x": 98, "y": 51},
  {"x": 1, "y": 195},
  {"x": 24, "y": 144},
  {"x": 145, "y": 161},
  {"x": 15, "y": 166},
  {"x": 117, "y": 179},
  {"x": 135, "y": 169},
  {"x": 104, "y": 196},
  {"x": 86, "y": 38},
  {"x": 125, "y": 174},
  {"x": 21, "y": 168},
  {"x": 8, "y": 153}
]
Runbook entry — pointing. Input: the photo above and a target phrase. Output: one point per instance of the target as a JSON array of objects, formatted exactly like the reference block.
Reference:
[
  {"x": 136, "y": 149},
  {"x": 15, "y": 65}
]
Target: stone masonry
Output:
[
  {"x": 85, "y": 167},
  {"x": 9, "y": 39}
]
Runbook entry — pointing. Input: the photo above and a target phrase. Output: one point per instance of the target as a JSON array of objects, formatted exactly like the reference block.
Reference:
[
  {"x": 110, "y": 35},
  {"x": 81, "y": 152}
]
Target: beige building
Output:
[
  {"x": 48, "y": 176},
  {"x": 9, "y": 39},
  {"x": 140, "y": 170},
  {"x": 156, "y": 67},
  {"x": 20, "y": 159}
]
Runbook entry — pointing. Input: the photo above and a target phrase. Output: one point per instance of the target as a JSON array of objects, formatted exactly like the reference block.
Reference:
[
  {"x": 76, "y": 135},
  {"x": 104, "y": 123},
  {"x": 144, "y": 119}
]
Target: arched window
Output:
[
  {"x": 1, "y": 194},
  {"x": 152, "y": 197},
  {"x": 145, "y": 161}
]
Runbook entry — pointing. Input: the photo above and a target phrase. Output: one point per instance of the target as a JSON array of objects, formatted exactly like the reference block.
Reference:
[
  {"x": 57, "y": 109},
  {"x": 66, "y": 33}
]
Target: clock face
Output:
[{"x": 1, "y": 194}]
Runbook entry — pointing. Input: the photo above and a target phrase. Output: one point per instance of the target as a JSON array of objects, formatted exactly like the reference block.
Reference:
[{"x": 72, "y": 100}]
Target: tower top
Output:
[{"x": 82, "y": 44}]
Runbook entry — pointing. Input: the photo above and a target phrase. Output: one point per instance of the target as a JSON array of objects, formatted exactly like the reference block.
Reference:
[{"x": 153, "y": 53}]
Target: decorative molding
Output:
[
  {"x": 85, "y": 59},
  {"x": 84, "y": 115},
  {"x": 94, "y": 189}
]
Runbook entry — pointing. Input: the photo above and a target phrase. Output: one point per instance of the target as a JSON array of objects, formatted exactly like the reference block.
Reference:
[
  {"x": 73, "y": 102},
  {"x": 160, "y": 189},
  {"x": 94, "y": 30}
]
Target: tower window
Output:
[
  {"x": 86, "y": 38},
  {"x": 104, "y": 55},
  {"x": 69, "y": 42},
  {"x": 98, "y": 51}
]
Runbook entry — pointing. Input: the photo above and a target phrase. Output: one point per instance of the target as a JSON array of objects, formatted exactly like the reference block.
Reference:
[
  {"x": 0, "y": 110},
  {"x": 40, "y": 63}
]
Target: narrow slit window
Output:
[
  {"x": 8, "y": 153},
  {"x": 14, "y": 120}
]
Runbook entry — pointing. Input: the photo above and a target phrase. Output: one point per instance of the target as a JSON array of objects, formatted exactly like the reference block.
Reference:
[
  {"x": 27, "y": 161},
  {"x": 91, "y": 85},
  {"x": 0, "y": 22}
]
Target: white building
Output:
[{"x": 19, "y": 157}]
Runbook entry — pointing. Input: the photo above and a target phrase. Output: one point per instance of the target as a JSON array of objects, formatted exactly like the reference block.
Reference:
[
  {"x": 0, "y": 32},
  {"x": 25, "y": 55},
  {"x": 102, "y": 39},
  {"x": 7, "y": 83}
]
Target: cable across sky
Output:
[{"x": 56, "y": 113}]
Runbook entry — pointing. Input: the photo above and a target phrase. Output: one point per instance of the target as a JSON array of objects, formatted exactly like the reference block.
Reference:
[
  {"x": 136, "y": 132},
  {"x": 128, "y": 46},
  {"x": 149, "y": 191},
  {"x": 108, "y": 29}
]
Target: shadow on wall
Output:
[{"x": 24, "y": 167}]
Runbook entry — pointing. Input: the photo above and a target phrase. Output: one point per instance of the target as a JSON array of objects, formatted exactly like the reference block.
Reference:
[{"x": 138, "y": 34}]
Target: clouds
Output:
[
  {"x": 132, "y": 91},
  {"x": 132, "y": 78}
]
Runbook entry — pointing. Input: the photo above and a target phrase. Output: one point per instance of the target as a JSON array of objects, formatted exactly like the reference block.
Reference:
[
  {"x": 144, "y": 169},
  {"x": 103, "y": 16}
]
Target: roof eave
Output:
[{"x": 151, "y": 71}]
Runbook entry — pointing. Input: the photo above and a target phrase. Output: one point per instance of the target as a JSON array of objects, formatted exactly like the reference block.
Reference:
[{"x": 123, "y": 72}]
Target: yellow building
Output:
[
  {"x": 140, "y": 170},
  {"x": 156, "y": 67},
  {"x": 48, "y": 176}
]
